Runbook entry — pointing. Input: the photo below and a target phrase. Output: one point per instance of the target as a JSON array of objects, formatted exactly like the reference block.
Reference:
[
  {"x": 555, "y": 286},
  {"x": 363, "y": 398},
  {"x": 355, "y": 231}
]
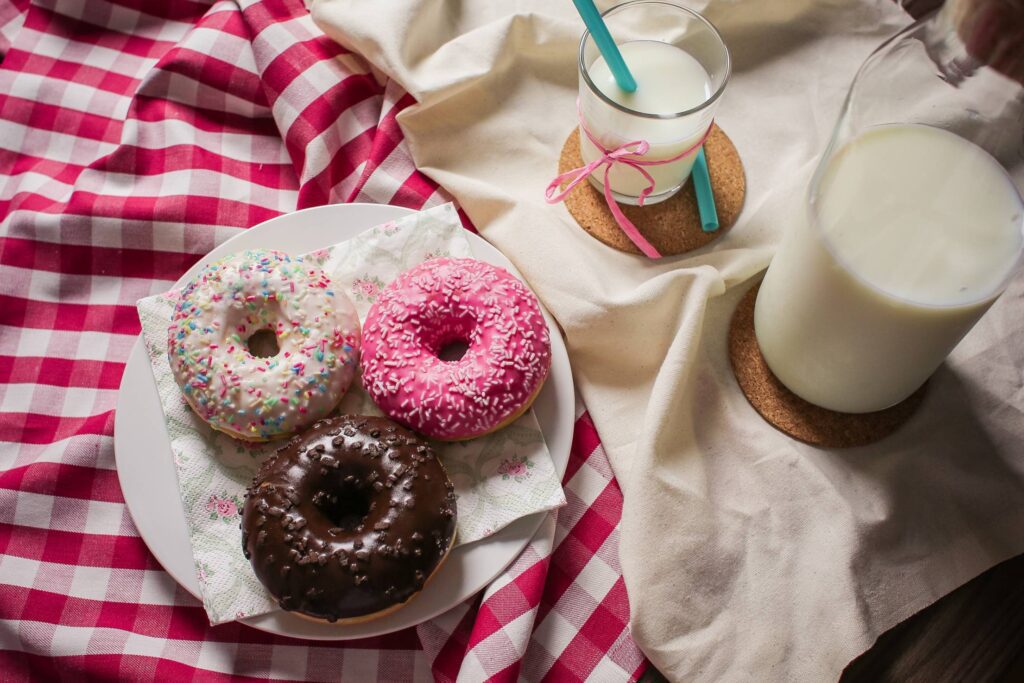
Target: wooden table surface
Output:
[{"x": 976, "y": 633}]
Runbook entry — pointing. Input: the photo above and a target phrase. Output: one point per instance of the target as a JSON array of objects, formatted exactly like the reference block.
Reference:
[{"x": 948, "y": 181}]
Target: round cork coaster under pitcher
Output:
[
  {"x": 672, "y": 226},
  {"x": 791, "y": 414}
]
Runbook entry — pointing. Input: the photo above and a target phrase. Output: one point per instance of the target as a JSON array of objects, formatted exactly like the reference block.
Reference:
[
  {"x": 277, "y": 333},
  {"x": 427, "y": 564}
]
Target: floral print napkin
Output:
[{"x": 498, "y": 478}]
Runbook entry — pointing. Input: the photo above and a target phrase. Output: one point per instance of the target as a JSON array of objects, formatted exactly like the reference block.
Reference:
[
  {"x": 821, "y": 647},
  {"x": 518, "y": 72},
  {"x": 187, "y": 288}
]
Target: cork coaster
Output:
[
  {"x": 791, "y": 414},
  {"x": 672, "y": 226}
]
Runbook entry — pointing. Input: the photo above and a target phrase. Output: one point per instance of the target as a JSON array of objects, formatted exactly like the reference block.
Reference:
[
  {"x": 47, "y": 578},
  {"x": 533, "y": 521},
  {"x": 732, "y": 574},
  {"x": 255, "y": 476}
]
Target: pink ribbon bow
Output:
[{"x": 627, "y": 154}]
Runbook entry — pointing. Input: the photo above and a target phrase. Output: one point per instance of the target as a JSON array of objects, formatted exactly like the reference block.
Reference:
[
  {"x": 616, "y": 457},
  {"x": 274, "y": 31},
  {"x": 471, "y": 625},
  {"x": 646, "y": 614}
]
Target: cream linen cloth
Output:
[{"x": 746, "y": 555}]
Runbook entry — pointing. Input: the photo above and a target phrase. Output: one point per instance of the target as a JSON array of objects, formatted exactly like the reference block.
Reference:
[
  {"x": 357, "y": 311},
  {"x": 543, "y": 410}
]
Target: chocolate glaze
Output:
[{"x": 349, "y": 518}]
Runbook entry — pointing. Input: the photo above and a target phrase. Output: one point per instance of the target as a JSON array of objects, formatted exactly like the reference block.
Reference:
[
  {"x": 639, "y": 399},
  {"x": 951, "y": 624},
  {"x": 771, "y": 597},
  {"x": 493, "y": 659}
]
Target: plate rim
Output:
[{"x": 519, "y": 532}]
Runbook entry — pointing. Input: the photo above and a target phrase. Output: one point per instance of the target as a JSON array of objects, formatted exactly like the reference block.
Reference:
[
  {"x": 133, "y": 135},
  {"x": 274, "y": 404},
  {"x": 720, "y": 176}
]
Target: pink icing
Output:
[{"x": 439, "y": 302}]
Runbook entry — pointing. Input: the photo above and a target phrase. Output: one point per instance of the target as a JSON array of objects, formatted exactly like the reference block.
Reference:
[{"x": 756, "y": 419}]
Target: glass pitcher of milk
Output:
[
  {"x": 914, "y": 225},
  {"x": 681, "y": 67}
]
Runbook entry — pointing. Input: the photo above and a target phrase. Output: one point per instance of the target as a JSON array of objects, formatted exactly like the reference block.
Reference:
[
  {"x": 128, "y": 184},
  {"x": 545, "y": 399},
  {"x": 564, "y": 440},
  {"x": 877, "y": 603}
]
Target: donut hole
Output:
[
  {"x": 263, "y": 344},
  {"x": 453, "y": 351},
  {"x": 451, "y": 339},
  {"x": 345, "y": 506}
]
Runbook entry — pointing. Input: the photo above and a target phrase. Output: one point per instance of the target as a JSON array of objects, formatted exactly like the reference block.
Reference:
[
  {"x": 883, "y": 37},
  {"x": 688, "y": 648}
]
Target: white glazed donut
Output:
[{"x": 236, "y": 387}]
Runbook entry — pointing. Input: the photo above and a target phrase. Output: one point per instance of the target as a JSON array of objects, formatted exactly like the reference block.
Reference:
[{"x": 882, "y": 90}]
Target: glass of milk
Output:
[
  {"x": 681, "y": 66},
  {"x": 914, "y": 226}
]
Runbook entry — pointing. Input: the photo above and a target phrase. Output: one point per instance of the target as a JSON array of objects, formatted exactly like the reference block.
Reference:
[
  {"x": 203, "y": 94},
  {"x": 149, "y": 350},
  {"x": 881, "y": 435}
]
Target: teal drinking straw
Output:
[
  {"x": 603, "y": 39},
  {"x": 705, "y": 198}
]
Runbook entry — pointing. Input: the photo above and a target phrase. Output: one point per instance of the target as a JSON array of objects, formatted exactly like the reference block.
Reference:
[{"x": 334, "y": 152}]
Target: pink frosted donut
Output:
[{"x": 446, "y": 303}]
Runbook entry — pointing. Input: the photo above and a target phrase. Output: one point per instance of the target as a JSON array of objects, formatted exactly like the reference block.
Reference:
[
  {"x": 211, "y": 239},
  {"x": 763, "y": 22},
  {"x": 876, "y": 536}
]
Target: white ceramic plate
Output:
[{"x": 149, "y": 481}]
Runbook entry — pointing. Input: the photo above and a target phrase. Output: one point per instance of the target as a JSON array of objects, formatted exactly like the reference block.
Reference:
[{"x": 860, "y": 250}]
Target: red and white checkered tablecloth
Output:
[{"x": 134, "y": 137}]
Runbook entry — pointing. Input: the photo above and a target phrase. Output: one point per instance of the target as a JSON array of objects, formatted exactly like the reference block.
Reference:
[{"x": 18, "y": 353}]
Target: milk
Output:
[
  {"x": 918, "y": 231},
  {"x": 669, "y": 81}
]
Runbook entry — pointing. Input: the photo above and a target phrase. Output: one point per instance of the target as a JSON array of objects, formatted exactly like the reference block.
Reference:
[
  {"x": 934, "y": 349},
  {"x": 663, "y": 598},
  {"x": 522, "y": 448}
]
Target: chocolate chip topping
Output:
[{"x": 315, "y": 518}]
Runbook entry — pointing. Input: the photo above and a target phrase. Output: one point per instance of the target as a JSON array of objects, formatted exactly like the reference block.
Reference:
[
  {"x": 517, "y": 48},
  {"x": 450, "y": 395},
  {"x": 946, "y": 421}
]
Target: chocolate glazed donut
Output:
[{"x": 349, "y": 520}]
